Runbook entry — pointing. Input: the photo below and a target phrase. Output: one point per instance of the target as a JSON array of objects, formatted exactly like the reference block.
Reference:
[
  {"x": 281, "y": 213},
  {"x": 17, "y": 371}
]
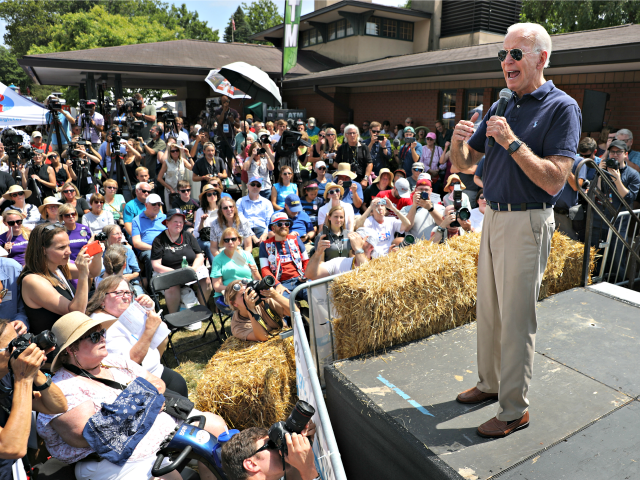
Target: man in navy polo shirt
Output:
[
  {"x": 524, "y": 172},
  {"x": 136, "y": 206},
  {"x": 147, "y": 226}
]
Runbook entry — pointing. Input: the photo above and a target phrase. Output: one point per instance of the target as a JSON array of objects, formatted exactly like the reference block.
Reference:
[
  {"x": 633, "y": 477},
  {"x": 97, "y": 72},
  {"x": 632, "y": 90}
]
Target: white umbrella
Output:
[
  {"x": 253, "y": 81},
  {"x": 222, "y": 86},
  {"x": 18, "y": 110}
]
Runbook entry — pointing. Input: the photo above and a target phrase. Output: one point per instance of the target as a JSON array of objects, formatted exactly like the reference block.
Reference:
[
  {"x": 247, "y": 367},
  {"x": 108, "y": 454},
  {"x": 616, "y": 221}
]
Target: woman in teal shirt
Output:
[
  {"x": 231, "y": 264},
  {"x": 283, "y": 188}
]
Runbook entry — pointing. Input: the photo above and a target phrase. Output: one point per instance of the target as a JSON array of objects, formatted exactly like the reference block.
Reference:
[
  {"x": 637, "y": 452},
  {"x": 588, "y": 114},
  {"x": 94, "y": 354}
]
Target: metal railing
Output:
[
  {"x": 602, "y": 213},
  {"x": 327, "y": 456},
  {"x": 615, "y": 263}
]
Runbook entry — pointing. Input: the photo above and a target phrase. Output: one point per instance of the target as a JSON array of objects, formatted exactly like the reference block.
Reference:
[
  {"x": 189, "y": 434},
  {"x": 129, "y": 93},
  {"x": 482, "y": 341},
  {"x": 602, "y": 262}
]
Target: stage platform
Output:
[{"x": 395, "y": 414}]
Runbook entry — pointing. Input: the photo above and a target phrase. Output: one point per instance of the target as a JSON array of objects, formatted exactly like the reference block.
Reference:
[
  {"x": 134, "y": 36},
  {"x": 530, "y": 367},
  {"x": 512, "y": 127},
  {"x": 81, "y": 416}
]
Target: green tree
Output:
[
  {"x": 10, "y": 71},
  {"x": 262, "y": 15},
  {"x": 99, "y": 28},
  {"x": 563, "y": 16},
  {"x": 243, "y": 30}
]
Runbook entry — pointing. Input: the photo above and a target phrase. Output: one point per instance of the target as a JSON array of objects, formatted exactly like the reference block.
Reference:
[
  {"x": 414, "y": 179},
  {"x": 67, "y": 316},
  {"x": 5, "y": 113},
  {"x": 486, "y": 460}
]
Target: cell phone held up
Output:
[{"x": 93, "y": 248}]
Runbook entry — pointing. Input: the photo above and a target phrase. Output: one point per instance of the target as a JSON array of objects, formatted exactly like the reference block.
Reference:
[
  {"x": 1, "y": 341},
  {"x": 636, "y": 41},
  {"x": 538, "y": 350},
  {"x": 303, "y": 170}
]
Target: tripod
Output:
[{"x": 117, "y": 162}]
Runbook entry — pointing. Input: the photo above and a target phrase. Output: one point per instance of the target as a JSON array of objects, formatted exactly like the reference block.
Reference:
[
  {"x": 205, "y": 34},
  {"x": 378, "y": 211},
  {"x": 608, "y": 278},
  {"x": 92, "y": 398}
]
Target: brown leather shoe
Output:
[
  {"x": 495, "y": 428},
  {"x": 473, "y": 395}
]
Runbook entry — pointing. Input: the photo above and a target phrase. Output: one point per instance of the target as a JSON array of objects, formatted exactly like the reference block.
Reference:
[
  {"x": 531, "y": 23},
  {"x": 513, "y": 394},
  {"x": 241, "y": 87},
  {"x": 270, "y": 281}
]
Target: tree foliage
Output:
[
  {"x": 33, "y": 22},
  {"x": 10, "y": 71},
  {"x": 262, "y": 15},
  {"x": 563, "y": 16},
  {"x": 99, "y": 28},
  {"x": 243, "y": 30}
]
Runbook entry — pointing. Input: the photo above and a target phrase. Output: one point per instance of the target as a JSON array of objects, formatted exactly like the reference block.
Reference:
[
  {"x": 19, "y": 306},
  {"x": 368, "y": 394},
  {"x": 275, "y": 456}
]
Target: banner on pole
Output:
[{"x": 292, "y": 10}]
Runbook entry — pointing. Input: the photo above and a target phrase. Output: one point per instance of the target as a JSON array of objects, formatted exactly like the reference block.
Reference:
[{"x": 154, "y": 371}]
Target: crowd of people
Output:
[{"x": 226, "y": 203}]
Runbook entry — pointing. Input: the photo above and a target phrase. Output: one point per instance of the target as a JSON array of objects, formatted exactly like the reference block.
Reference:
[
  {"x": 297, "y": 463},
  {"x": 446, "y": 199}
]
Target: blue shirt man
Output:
[
  {"x": 255, "y": 208},
  {"x": 65, "y": 126},
  {"x": 12, "y": 306},
  {"x": 147, "y": 228},
  {"x": 568, "y": 196},
  {"x": 302, "y": 224},
  {"x": 348, "y": 195},
  {"x": 380, "y": 151},
  {"x": 405, "y": 155},
  {"x": 311, "y": 127}
]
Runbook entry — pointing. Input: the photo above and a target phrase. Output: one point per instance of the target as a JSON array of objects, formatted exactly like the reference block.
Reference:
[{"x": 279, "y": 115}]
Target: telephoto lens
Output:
[
  {"x": 300, "y": 416},
  {"x": 408, "y": 240}
]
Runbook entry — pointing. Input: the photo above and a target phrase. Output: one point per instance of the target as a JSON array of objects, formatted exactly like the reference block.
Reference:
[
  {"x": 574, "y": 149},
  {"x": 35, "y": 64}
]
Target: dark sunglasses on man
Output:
[
  {"x": 283, "y": 224},
  {"x": 515, "y": 53}
]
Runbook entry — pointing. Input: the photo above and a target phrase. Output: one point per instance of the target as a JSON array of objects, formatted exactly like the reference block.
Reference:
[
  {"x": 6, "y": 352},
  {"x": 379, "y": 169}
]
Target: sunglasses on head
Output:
[
  {"x": 230, "y": 239},
  {"x": 515, "y": 53},
  {"x": 185, "y": 190},
  {"x": 11, "y": 223},
  {"x": 53, "y": 226},
  {"x": 216, "y": 185},
  {"x": 96, "y": 336},
  {"x": 331, "y": 192},
  {"x": 69, "y": 215},
  {"x": 283, "y": 224},
  {"x": 19, "y": 194}
]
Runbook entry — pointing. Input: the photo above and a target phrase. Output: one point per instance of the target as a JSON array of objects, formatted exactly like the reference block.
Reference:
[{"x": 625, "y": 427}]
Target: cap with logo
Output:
[
  {"x": 278, "y": 217},
  {"x": 293, "y": 202},
  {"x": 403, "y": 188}
]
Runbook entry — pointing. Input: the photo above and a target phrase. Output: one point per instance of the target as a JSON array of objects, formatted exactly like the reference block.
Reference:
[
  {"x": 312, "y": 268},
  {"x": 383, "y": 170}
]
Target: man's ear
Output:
[{"x": 250, "y": 465}]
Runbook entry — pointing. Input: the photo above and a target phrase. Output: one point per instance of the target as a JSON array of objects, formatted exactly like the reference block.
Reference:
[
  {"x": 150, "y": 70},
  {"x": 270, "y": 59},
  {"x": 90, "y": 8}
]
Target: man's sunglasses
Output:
[
  {"x": 322, "y": 168},
  {"x": 331, "y": 192},
  {"x": 418, "y": 170},
  {"x": 146, "y": 192},
  {"x": 283, "y": 224},
  {"x": 96, "y": 336},
  {"x": 185, "y": 191},
  {"x": 515, "y": 53},
  {"x": 267, "y": 446},
  {"x": 254, "y": 184},
  {"x": 230, "y": 239},
  {"x": 156, "y": 204},
  {"x": 375, "y": 132},
  {"x": 11, "y": 223}
]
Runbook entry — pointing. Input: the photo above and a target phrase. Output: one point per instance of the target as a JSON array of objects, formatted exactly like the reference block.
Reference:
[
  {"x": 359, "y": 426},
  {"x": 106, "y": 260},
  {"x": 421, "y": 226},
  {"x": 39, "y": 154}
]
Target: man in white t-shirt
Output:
[
  {"x": 424, "y": 215},
  {"x": 363, "y": 243},
  {"x": 375, "y": 218}
]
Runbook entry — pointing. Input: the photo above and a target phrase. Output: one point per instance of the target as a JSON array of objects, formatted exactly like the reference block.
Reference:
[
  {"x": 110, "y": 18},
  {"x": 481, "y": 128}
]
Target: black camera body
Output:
[
  {"x": 131, "y": 106},
  {"x": 462, "y": 213},
  {"x": 84, "y": 107},
  {"x": 613, "y": 163},
  {"x": 55, "y": 104},
  {"x": 101, "y": 237},
  {"x": 424, "y": 196},
  {"x": 298, "y": 419},
  {"x": 409, "y": 139},
  {"x": 259, "y": 285},
  {"x": 264, "y": 138},
  {"x": 44, "y": 340},
  {"x": 12, "y": 141},
  {"x": 289, "y": 142}
]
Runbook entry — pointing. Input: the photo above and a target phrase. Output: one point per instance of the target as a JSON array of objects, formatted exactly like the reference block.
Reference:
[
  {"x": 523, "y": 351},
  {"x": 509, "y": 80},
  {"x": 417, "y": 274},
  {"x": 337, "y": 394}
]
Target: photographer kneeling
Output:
[
  {"x": 256, "y": 313},
  {"x": 28, "y": 390},
  {"x": 449, "y": 227},
  {"x": 251, "y": 455}
]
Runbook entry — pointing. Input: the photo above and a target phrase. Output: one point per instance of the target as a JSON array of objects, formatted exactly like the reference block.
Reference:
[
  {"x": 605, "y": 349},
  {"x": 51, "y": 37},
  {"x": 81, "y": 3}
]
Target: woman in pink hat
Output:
[{"x": 433, "y": 159}]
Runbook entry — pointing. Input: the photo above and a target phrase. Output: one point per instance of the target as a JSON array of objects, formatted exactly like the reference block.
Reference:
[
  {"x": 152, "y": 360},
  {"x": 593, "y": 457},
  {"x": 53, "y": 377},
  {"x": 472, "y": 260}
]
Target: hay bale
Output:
[
  {"x": 250, "y": 384},
  {"x": 426, "y": 289}
]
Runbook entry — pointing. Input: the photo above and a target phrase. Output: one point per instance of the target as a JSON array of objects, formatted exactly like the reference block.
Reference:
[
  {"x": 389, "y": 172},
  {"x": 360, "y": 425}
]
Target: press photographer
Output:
[
  {"x": 144, "y": 113},
  {"x": 254, "y": 455},
  {"x": 91, "y": 122},
  {"x": 85, "y": 159},
  {"x": 23, "y": 388},
  {"x": 228, "y": 119},
  {"x": 59, "y": 121}
]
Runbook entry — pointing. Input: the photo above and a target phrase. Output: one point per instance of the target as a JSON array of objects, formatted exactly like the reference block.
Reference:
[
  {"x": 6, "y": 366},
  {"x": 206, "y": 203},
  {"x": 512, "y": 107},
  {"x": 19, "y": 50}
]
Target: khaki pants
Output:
[{"x": 514, "y": 250}]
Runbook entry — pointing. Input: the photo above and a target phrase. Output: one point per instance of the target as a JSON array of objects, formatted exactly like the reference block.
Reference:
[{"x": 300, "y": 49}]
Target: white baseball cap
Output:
[
  {"x": 403, "y": 188},
  {"x": 154, "y": 198},
  {"x": 424, "y": 175},
  {"x": 368, "y": 236},
  {"x": 36, "y": 134}
]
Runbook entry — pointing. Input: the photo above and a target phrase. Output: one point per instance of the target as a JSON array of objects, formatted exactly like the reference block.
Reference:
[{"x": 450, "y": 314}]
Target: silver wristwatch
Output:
[{"x": 360, "y": 250}]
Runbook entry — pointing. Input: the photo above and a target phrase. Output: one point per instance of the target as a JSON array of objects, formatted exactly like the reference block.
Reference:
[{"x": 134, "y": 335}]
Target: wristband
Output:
[
  {"x": 431, "y": 209},
  {"x": 440, "y": 229},
  {"x": 44, "y": 386}
]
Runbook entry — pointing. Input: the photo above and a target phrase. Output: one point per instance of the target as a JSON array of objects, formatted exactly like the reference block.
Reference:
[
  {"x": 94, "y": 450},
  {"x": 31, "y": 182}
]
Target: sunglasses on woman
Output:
[
  {"x": 111, "y": 188},
  {"x": 286, "y": 173},
  {"x": 121, "y": 293},
  {"x": 70, "y": 215},
  {"x": 212, "y": 194},
  {"x": 331, "y": 134},
  {"x": 19, "y": 194},
  {"x": 95, "y": 336},
  {"x": 11, "y": 223},
  {"x": 215, "y": 185},
  {"x": 228, "y": 207},
  {"x": 333, "y": 192},
  {"x": 230, "y": 239},
  {"x": 99, "y": 202},
  {"x": 69, "y": 191},
  {"x": 254, "y": 184},
  {"x": 322, "y": 168},
  {"x": 515, "y": 53}
]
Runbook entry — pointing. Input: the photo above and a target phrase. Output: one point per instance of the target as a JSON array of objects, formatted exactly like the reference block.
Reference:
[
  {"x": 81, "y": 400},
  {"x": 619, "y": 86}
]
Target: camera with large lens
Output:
[
  {"x": 298, "y": 419},
  {"x": 101, "y": 237},
  {"x": 131, "y": 106},
  {"x": 43, "y": 341},
  {"x": 55, "y": 103},
  {"x": 613, "y": 163},
  {"x": 259, "y": 285},
  {"x": 86, "y": 106},
  {"x": 289, "y": 142},
  {"x": 462, "y": 213},
  {"x": 11, "y": 141},
  {"x": 115, "y": 139},
  {"x": 73, "y": 155},
  {"x": 264, "y": 138}
]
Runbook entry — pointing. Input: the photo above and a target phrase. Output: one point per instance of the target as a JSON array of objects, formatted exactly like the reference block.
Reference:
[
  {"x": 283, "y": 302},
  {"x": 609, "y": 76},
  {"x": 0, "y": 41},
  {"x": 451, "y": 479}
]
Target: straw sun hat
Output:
[
  {"x": 71, "y": 327},
  {"x": 46, "y": 202},
  {"x": 16, "y": 189}
]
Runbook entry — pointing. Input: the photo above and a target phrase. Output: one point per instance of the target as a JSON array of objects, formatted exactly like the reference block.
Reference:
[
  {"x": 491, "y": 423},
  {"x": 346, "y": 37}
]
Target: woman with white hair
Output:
[{"x": 356, "y": 154}]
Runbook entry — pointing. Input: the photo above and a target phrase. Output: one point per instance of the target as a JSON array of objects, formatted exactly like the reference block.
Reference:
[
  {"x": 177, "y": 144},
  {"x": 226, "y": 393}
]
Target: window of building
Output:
[
  {"x": 311, "y": 37},
  {"x": 473, "y": 102},
  {"x": 340, "y": 29},
  {"x": 448, "y": 107},
  {"x": 385, "y": 27},
  {"x": 374, "y": 26}
]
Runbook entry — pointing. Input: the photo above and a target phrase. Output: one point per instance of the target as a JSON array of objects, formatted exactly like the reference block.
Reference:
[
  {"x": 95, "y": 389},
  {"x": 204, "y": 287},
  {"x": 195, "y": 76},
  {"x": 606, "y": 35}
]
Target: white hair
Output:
[
  {"x": 351, "y": 126},
  {"x": 541, "y": 38},
  {"x": 140, "y": 185},
  {"x": 624, "y": 131}
]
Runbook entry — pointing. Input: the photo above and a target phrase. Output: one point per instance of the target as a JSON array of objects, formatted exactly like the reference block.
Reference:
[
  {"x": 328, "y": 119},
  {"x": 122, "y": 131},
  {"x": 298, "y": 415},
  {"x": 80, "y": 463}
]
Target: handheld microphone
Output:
[{"x": 505, "y": 96}]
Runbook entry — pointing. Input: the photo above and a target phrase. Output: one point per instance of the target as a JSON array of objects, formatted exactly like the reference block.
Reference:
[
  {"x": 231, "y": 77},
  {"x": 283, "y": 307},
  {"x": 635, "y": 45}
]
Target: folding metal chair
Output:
[{"x": 184, "y": 318}]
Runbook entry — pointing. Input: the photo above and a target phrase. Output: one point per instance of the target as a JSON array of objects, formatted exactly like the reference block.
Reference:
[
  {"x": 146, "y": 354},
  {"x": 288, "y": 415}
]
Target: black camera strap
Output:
[{"x": 84, "y": 373}]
